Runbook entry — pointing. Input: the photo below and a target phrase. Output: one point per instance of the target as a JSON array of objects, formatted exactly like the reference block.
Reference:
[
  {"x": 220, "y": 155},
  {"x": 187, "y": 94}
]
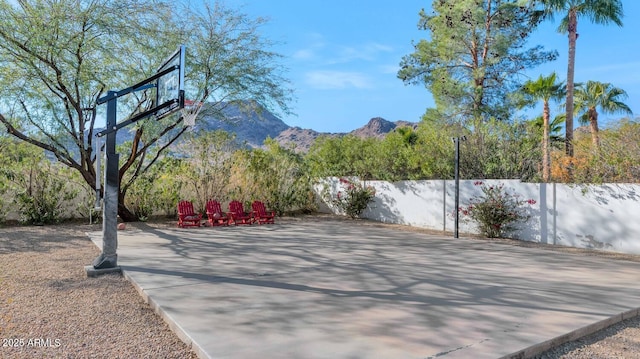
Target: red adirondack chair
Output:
[
  {"x": 260, "y": 214},
  {"x": 237, "y": 215},
  {"x": 215, "y": 216},
  {"x": 187, "y": 217}
]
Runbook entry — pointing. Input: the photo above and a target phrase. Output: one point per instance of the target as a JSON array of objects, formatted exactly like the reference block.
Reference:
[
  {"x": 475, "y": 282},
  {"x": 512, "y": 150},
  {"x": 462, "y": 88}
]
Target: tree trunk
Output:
[
  {"x": 125, "y": 214},
  {"x": 573, "y": 36},
  {"x": 593, "y": 124},
  {"x": 546, "y": 155}
]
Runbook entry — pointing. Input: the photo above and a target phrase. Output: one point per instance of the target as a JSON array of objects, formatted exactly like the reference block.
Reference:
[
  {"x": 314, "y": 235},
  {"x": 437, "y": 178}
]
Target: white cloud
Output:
[
  {"x": 319, "y": 50},
  {"x": 366, "y": 52},
  {"x": 389, "y": 69},
  {"x": 337, "y": 80},
  {"x": 314, "y": 43},
  {"x": 615, "y": 67},
  {"x": 618, "y": 74},
  {"x": 304, "y": 54}
]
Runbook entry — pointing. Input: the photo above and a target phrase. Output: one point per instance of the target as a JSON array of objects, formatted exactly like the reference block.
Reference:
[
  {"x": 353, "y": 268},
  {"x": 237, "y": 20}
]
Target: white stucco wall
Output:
[{"x": 605, "y": 217}]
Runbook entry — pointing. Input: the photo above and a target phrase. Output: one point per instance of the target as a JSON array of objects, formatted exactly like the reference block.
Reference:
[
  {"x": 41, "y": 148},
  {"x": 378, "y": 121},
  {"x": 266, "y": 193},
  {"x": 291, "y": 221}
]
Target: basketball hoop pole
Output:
[{"x": 108, "y": 259}]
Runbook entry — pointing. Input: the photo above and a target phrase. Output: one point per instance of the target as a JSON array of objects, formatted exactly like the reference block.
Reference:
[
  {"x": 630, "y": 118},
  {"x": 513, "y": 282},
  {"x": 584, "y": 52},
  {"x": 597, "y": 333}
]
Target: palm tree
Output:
[
  {"x": 556, "y": 126},
  {"x": 545, "y": 89},
  {"x": 409, "y": 136},
  {"x": 599, "y": 12},
  {"x": 594, "y": 94}
]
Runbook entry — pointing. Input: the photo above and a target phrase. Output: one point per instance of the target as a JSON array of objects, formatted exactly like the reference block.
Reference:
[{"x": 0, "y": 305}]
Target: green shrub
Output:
[
  {"x": 496, "y": 210},
  {"x": 141, "y": 197},
  {"x": 44, "y": 195},
  {"x": 354, "y": 199}
]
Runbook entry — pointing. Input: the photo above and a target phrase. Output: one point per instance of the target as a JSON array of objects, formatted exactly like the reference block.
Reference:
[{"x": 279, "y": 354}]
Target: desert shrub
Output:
[
  {"x": 617, "y": 160},
  {"x": 42, "y": 192},
  {"x": 496, "y": 210},
  {"x": 275, "y": 175},
  {"x": 141, "y": 197},
  {"x": 354, "y": 199}
]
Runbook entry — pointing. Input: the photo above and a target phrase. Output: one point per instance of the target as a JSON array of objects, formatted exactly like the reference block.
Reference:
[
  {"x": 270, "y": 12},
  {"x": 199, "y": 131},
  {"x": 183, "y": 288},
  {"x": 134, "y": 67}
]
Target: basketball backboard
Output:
[
  {"x": 170, "y": 84},
  {"x": 164, "y": 92}
]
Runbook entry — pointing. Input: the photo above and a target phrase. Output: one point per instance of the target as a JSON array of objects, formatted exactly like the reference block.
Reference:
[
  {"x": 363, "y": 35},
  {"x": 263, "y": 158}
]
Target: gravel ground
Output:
[
  {"x": 49, "y": 308},
  {"x": 619, "y": 341}
]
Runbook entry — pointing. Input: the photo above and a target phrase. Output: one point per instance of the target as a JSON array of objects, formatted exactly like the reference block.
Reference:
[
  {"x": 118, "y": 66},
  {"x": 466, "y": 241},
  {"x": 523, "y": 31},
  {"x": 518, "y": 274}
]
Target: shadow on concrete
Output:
[{"x": 362, "y": 290}]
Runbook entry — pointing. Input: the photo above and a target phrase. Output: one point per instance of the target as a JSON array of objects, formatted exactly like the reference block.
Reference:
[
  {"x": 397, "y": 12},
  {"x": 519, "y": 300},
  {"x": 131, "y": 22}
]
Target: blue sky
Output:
[{"x": 343, "y": 57}]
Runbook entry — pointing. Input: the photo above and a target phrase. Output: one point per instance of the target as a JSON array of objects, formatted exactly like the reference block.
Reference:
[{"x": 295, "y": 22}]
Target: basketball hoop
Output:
[{"x": 190, "y": 112}]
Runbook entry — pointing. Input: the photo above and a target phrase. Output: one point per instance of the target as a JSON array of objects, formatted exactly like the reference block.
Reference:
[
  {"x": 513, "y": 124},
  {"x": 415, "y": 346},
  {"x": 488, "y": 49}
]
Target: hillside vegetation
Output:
[{"x": 213, "y": 164}]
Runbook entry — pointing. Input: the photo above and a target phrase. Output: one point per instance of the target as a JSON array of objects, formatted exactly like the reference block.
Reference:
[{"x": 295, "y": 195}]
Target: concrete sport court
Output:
[{"x": 326, "y": 287}]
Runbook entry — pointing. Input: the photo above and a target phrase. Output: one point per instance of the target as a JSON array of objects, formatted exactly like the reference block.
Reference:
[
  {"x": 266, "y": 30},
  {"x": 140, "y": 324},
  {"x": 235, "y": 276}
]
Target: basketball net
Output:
[{"x": 190, "y": 112}]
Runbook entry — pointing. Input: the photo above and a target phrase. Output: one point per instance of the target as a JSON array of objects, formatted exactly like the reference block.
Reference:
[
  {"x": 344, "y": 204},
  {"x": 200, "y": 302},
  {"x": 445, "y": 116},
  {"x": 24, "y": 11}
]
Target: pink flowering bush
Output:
[
  {"x": 354, "y": 199},
  {"x": 496, "y": 210}
]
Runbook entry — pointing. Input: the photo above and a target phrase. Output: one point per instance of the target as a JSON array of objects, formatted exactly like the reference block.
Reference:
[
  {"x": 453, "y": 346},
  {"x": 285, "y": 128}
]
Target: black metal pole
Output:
[
  {"x": 457, "y": 180},
  {"x": 109, "y": 257}
]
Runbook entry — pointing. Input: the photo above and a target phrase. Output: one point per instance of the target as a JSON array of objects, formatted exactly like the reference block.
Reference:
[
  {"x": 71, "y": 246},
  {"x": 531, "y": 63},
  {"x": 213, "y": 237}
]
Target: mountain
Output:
[
  {"x": 377, "y": 127},
  {"x": 302, "y": 139},
  {"x": 252, "y": 124}
]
